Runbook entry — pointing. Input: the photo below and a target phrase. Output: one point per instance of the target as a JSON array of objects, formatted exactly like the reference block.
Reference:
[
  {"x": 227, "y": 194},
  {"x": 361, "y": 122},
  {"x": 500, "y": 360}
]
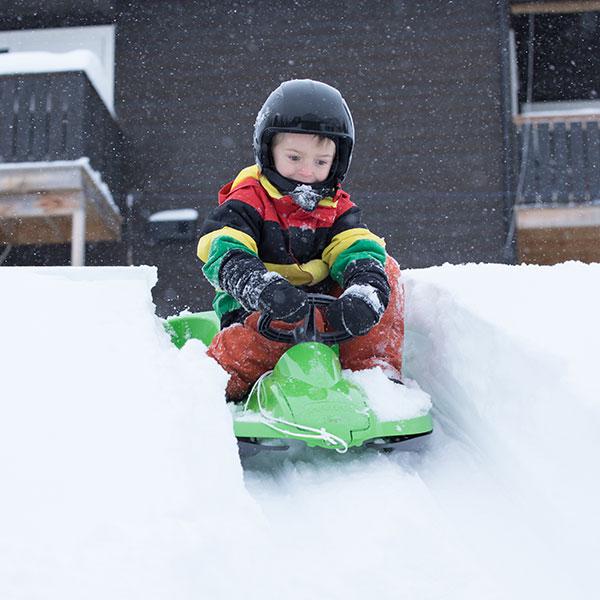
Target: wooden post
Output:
[{"x": 78, "y": 236}]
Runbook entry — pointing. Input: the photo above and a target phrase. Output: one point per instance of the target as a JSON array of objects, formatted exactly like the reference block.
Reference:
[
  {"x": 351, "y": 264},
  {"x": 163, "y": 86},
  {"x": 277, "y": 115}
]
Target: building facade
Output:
[{"x": 430, "y": 85}]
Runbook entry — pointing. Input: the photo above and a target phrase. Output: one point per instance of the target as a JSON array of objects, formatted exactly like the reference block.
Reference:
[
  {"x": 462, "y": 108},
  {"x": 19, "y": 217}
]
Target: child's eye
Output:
[
  {"x": 293, "y": 157},
  {"x": 322, "y": 163}
]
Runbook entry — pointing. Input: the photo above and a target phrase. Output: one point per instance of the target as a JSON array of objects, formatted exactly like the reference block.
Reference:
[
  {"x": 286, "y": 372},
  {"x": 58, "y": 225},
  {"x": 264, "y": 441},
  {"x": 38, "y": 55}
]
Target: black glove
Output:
[
  {"x": 363, "y": 303},
  {"x": 283, "y": 301},
  {"x": 354, "y": 313},
  {"x": 245, "y": 277}
]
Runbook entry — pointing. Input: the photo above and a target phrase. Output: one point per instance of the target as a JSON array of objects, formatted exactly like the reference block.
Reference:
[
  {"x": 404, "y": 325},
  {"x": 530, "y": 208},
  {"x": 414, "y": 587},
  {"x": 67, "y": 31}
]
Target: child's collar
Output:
[{"x": 253, "y": 172}]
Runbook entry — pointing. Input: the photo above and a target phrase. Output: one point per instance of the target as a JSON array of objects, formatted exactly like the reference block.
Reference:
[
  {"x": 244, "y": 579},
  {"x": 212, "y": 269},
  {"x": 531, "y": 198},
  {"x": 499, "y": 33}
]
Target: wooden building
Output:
[
  {"x": 433, "y": 88},
  {"x": 557, "y": 194}
]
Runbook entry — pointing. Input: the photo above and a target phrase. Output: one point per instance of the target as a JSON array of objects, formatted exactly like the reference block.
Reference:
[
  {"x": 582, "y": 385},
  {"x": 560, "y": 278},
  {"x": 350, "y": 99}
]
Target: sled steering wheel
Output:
[{"x": 305, "y": 331}]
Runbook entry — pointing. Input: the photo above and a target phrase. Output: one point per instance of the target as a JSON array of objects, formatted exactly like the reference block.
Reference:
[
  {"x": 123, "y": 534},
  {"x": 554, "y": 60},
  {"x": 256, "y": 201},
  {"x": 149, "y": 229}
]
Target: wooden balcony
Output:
[
  {"x": 557, "y": 210},
  {"x": 60, "y": 162}
]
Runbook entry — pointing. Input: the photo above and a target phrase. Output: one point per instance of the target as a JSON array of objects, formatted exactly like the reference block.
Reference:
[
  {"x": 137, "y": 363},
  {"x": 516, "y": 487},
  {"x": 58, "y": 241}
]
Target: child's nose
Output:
[{"x": 306, "y": 169}]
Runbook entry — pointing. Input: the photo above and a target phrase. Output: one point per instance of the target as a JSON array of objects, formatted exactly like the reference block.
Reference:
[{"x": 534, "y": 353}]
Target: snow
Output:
[
  {"x": 306, "y": 197},
  {"x": 53, "y": 62},
  {"x": 120, "y": 476},
  {"x": 181, "y": 214},
  {"x": 388, "y": 400},
  {"x": 368, "y": 294}
]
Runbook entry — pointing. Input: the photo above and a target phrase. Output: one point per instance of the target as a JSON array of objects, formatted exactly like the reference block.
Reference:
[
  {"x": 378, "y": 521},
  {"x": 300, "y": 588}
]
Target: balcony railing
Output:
[
  {"x": 559, "y": 159},
  {"x": 58, "y": 116},
  {"x": 48, "y": 123}
]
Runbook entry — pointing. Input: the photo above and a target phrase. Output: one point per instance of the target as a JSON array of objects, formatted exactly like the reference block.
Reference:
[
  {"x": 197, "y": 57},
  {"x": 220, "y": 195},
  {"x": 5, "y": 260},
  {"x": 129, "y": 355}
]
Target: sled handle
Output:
[{"x": 305, "y": 331}]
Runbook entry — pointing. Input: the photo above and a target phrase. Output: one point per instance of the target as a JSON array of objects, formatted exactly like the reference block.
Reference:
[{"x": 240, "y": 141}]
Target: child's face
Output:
[{"x": 303, "y": 157}]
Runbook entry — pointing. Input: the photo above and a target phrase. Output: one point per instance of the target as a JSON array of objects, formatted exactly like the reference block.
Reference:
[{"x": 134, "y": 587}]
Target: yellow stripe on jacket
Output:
[
  {"x": 309, "y": 273},
  {"x": 206, "y": 240},
  {"x": 342, "y": 241}
]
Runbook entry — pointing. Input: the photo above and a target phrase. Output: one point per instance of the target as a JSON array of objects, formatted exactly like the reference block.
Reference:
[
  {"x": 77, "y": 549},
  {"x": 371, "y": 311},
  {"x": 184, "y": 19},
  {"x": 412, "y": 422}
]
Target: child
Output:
[{"x": 284, "y": 227}]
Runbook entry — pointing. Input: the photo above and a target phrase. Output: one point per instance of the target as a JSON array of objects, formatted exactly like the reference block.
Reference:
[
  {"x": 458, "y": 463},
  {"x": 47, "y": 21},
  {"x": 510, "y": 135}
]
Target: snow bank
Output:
[
  {"x": 121, "y": 478},
  {"x": 509, "y": 356},
  {"x": 117, "y": 464},
  {"x": 502, "y": 504}
]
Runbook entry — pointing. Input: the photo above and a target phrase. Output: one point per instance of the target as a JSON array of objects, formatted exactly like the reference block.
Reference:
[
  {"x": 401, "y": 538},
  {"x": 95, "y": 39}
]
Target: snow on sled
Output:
[{"x": 306, "y": 397}]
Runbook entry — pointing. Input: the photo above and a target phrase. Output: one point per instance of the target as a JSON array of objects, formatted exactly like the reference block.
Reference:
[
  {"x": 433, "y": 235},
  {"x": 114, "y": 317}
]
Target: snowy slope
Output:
[{"x": 120, "y": 476}]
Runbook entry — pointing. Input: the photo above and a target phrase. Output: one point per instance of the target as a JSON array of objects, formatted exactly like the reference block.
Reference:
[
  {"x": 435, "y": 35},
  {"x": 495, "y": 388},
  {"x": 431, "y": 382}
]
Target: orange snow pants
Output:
[{"x": 245, "y": 354}]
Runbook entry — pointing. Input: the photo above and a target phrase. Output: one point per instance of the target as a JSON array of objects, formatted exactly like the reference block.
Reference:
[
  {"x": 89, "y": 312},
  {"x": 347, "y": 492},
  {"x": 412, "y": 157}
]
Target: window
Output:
[{"x": 558, "y": 61}]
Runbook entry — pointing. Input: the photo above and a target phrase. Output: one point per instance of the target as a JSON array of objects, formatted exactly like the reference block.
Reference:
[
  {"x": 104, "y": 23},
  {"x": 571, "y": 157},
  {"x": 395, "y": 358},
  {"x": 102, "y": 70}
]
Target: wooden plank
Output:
[
  {"x": 527, "y": 8},
  {"x": 529, "y": 188},
  {"x": 546, "y": 172},
  {"x": 557, "y": 216},
  {"x": 562, "y": 118},
  {"x": 560, "y": 163},
  {"x": 73, "y": 126},
  {"x": 551, "y": 246},
  {"x": 20, "y": 178},
  {"x": 593, "y": 154},
  {"x": 57, "y": 115},
  {"x": 7, "y": 228},
  {"x": 52, "y": 223},
  {"x": 34, "y": 231},
  {"x": 578, "y": 165},
  {"x": 39, "y": 142},
  {"x": 21, "y": 123},
  {"x": 41, "y": 204},
  {"x": 7, "y": 90}
]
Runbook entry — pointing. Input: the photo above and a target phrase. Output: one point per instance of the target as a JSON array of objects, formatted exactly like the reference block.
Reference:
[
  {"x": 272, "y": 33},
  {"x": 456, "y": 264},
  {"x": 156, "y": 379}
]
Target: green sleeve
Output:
[
  {"x": 360, "y": 249},
  {"x": 219, "y": 248}
]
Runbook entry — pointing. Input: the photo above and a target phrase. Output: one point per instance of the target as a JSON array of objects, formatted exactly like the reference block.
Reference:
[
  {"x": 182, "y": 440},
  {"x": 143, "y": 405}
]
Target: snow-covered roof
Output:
[{"x": 53, "y": 62}]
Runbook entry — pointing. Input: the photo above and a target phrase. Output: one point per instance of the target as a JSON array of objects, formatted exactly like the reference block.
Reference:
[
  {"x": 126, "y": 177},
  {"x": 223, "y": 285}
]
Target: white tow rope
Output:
[{"x": 338, "y": 444}]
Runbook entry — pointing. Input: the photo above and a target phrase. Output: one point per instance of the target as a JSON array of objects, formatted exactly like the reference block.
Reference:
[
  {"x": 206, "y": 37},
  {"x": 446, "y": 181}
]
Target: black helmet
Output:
[{"x": 304, "y": 106}]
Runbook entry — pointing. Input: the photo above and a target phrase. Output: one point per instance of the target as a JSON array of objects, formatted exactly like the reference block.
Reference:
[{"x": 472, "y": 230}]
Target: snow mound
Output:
[
  {"x": 120, "y": 474},
  {"x": 108, "y": 439}
]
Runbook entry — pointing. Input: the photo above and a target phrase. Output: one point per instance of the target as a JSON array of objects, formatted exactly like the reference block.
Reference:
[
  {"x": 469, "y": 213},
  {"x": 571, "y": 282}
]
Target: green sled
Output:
[{"x": 305, "y": 398}]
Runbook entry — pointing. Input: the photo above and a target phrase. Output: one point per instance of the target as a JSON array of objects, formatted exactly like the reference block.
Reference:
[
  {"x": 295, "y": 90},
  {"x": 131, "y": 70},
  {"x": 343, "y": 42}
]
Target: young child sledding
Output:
[{"x": 283, "y": 227}]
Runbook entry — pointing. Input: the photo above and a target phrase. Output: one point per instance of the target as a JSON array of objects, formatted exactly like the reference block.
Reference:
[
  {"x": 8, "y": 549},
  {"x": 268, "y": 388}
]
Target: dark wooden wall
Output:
[
  {"x": 37, "y": 14},
  {"x": 424, "y": 81}
]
